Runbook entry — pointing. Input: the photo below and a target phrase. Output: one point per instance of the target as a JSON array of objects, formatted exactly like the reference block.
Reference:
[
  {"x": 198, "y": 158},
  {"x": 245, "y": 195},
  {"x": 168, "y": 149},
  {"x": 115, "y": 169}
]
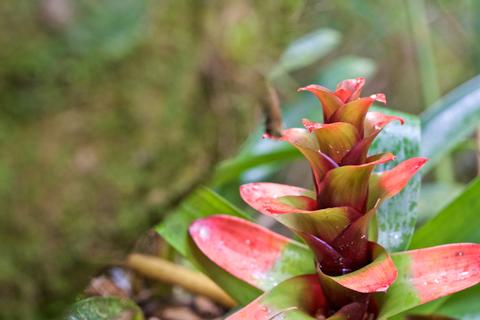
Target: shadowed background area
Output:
[{"x": 112, "y": 111}]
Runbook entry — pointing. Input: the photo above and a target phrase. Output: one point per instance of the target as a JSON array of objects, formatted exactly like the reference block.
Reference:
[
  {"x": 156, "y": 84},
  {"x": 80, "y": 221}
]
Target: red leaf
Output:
[
  {"x": 442, "y": 270},
  {"x": 376, "y": 276},
  {"x": 265, "y": 197},
  {"x": 350, "y": 89},
  {"x": 388, "y": 183},
  {"x": 235, "y": 245},
  {"x": 376, "y": 121}
]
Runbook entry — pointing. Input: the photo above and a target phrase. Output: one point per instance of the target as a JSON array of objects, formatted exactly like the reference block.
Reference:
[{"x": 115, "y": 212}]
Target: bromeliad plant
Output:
[{"x": 352, "y": 276}]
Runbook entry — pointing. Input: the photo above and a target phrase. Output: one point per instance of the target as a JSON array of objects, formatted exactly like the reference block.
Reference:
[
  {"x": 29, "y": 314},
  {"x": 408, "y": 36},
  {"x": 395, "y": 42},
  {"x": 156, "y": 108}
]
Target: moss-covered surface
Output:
[{"x": 110, "y": 113}]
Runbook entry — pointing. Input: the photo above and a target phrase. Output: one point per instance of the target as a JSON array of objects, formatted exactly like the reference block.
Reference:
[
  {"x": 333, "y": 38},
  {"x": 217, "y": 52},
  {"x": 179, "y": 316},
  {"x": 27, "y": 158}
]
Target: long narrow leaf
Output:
[
  {"x": 455, "y": 223},
  {"x": 450, "y": 120}
]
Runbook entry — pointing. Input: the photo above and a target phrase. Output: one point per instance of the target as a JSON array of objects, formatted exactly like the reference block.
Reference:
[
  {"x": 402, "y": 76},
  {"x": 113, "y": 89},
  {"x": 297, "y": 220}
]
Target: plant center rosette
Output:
[
  {"x": 333, "y": 220},
  {"x": 353, "y": 272}
]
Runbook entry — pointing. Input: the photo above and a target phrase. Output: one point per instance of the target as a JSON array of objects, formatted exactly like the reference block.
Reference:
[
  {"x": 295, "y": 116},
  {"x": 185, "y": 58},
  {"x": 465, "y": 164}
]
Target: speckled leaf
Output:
[
  {"x": 397, "y": 216},
  {"x": 104, "y": 308}
]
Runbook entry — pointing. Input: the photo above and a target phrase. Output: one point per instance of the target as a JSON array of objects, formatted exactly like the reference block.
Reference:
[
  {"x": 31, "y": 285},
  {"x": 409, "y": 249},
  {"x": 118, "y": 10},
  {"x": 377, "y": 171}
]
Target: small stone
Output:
[
  {"x": 179, "y": 313},
  {"x": 206, "y": 307}
]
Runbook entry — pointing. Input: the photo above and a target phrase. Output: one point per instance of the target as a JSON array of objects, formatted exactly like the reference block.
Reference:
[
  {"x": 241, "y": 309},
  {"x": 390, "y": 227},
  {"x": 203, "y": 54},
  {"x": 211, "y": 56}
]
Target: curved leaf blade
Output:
[
  {"x": 250, "y": 252},
  {"x": 454, "y": 222},
  {"x": 293, "y": 299},
  {"x": 431, "y": 273},
  {"x": 462, "y": 305},
  {"x": 450, "y": 120},
  {"x": 376, "y": 276}
]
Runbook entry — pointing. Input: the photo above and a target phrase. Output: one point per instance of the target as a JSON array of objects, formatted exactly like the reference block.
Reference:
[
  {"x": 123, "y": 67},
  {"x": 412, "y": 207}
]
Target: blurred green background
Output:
[{"x": 112, "y": 111}]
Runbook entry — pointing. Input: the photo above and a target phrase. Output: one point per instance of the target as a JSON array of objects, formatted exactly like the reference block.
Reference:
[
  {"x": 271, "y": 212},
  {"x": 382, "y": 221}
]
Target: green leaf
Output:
[
  {"x": 397, "y": 216},
  {"x": 104, "y": 308},
  {"x": 434, "y": 197},
  {"x": 201, "y": 203},
  {"x": 204, "y": 202},
  {"x": 452, "y": 224},
  {"x": 306, "y": 50},
  {"x": 431, "y": 273},
  {"x": 239, "y": 289},
  {"x": 462, "y": 305},
  {"x": 450, "y": 120},
  {"x": 293, "y": 299},
  {"x": 455, "y": 223}
]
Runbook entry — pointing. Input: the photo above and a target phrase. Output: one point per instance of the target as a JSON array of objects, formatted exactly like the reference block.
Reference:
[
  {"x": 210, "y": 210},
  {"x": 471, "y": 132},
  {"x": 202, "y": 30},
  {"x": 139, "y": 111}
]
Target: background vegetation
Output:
[{"x": 111, "y": 112}]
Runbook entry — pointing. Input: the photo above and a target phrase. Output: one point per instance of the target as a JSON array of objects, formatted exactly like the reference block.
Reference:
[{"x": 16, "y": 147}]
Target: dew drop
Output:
[
  {"x": 459, "y": 254},
  {"x": 204, "y": 233}
]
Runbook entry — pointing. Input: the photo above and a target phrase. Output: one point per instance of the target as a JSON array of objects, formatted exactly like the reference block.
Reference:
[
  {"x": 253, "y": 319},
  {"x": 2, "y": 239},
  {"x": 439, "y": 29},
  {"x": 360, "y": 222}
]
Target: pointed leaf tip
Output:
[
  {"x": 387, "y": 184},
  {"x": 265, "y": 197},
  {"x": 380, "y": 97},
  {"x": 393, "y": 181},
  {"x": 329, "y": 101},
  {"x": 376, "y": 121},
  {"x": 311, "y": 125}
]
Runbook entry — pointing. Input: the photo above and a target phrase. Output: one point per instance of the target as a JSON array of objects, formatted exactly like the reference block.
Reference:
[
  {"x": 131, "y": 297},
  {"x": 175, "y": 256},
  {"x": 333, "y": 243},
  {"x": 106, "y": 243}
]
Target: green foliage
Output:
[
  {"x": 104, "y": 308},
  {"x": 455, "y": 223},
  {"x": 306, "y": 50},
  {"x": 450, "y": 121},
  {"x": 203, "y": 202}
]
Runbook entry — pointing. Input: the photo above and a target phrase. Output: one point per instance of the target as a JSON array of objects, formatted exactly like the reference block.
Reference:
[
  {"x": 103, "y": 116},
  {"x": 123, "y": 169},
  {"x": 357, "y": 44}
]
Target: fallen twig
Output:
[{"x": 168, "y": 272}]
